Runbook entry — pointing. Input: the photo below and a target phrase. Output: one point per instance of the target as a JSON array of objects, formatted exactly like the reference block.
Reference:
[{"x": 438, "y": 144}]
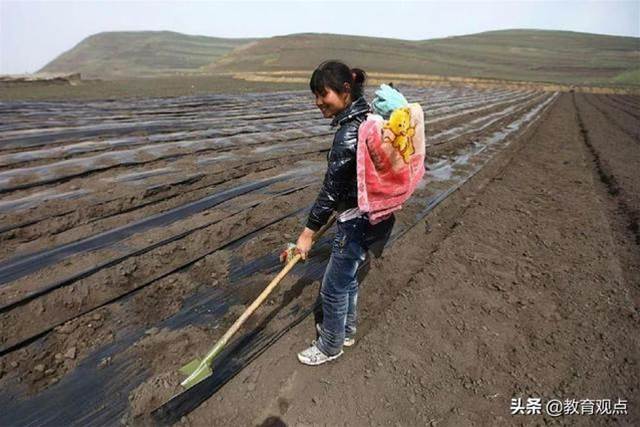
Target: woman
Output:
[{"x": 339, "y": 95}]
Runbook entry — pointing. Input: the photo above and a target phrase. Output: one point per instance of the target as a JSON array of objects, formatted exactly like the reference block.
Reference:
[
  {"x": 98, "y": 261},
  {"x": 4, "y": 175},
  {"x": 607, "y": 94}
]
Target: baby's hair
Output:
[{"x": 334, "y": 74}]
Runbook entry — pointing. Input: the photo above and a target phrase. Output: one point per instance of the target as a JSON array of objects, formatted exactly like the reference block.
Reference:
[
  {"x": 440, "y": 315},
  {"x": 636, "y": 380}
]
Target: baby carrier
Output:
[{"x": 390, "y": 154}]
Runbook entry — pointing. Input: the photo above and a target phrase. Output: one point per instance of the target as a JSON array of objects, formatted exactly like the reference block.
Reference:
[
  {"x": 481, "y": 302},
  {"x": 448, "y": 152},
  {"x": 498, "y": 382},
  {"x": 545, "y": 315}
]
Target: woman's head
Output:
[{"x": 335, "y": 86}]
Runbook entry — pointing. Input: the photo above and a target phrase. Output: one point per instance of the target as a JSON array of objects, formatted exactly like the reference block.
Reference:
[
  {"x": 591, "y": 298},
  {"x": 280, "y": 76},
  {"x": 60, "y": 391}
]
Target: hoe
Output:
[{"x": 199, "y": 369}]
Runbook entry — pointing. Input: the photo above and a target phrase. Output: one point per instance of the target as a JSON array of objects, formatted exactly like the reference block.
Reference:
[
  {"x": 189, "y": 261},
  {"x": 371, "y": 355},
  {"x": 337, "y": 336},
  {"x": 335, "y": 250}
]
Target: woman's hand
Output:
[{"x": 304, "y": 242}]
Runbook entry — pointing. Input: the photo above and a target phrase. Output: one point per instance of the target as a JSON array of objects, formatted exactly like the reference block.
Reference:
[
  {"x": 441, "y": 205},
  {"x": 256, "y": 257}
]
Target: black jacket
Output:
[{"x": 340, "y": 188}]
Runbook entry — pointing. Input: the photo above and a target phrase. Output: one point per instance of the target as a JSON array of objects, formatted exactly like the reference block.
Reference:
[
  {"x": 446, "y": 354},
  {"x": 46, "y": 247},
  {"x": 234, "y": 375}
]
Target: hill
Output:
[
  {"x": 538, "y": 55},
  {"x": 520, "y": 54},
  {"x": 141, "y": 54}
]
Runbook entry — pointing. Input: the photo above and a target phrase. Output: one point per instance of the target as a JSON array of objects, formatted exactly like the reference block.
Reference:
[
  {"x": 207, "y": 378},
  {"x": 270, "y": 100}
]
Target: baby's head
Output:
[{"x": 335, "y": 86}]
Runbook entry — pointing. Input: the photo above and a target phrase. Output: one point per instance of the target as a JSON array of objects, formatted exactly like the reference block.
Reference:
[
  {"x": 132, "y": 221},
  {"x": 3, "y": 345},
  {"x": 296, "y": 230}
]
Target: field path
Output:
[{"x": 516, "y": 286}]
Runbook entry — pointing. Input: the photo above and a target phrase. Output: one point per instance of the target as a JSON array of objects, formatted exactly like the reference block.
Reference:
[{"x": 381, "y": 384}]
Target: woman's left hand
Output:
[{"x": 304, "y": 242}]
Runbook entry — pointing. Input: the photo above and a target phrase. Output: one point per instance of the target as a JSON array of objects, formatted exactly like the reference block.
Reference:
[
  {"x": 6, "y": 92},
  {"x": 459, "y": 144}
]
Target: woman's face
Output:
[{"x": 331, "y": 103}]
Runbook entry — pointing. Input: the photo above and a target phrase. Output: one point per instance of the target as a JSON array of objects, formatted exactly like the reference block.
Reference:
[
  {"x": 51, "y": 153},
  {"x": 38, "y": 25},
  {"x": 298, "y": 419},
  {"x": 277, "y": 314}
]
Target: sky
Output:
[{"x": 32, "y": 33}]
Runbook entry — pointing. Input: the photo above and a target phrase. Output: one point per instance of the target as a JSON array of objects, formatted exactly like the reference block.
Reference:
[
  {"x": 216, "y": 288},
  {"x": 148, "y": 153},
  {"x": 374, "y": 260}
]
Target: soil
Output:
[{"x": 523, "y": 282}]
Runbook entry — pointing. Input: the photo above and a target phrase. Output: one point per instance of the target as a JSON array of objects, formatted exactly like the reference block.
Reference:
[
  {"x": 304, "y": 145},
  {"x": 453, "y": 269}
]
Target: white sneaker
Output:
[
  {"x": 348, "y": 342},
  {"x": 313, "y": 356}
]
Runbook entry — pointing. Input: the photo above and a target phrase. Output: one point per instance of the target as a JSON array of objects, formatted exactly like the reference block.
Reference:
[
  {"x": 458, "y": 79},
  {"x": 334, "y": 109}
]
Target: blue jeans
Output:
[{"x": 339, "y": 289}]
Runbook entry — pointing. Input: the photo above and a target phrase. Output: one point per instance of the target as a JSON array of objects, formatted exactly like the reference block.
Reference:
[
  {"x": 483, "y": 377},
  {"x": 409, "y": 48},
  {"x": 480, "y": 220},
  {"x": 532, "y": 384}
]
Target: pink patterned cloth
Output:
[{"x": 385, "y": 178}]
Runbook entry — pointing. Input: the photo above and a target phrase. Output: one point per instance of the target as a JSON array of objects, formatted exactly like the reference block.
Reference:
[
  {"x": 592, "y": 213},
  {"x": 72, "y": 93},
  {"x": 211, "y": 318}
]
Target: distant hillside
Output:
[
  {"x": 141, "y": 54},
  {"x": 520, "y": 54},
  {"x": 539, "y": 55}
]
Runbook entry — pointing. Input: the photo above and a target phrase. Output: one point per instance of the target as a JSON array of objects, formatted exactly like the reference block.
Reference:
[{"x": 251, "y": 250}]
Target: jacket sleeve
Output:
[{"x": 340, "y": 173}]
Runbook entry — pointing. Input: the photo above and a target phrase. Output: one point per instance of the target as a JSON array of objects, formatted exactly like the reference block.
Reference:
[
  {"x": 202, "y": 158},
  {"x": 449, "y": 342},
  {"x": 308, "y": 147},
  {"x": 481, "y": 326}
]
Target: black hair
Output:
[{"x": 334, "y": 74}]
